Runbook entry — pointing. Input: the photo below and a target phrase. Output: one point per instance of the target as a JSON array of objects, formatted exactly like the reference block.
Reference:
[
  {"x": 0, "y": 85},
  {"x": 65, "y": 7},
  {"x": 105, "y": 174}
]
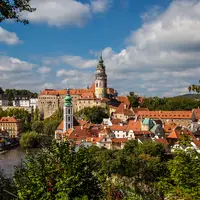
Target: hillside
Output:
[{"x": 190, "y": 96}]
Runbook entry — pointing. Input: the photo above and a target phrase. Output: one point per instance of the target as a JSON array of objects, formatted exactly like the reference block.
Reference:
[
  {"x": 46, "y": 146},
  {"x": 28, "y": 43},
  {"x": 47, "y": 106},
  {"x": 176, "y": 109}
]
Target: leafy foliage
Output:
[
  {"x": 176, "y": 103},
  {"x": 94, "y": 114},
  {"x": 139, "y": 171},
  {"x": 134, "y": 99},
  {"x": 30, "y": 140},
  {"x": 12, "y": 9},
  {"x": 58, "y": 172}
]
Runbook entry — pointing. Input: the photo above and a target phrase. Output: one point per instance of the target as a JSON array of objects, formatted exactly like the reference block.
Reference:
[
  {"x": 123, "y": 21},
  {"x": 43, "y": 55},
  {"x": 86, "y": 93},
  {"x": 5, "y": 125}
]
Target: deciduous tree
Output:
[{"x": 12, "y": 9}]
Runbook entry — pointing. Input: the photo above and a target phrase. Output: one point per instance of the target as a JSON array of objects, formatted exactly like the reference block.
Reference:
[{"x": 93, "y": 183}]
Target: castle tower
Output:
[
  {"x": 100, "y": 80},
  {"x": 68, "y": 113}
]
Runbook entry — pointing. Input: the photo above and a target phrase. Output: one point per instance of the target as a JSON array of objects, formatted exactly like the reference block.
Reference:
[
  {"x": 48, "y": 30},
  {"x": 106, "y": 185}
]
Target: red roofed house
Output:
[
  {"x": 12, "y": 125},
  {"x": 175, "y": 135}
]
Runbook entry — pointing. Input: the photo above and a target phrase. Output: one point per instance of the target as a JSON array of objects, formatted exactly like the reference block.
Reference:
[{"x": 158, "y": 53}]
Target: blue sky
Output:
[{"x": 149, "y": 46}]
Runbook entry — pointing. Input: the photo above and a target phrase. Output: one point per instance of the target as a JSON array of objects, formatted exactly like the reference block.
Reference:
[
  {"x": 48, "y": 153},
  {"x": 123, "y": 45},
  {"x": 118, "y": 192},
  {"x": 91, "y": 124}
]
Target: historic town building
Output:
[
  {"x": 101, "y": 80},
  {"x": 11, "y": 125},
  {"x": 98, "y": 94}
]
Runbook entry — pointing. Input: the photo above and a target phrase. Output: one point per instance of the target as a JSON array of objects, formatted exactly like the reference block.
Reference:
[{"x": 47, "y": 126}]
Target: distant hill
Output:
[{"x": 190, "y": 96}]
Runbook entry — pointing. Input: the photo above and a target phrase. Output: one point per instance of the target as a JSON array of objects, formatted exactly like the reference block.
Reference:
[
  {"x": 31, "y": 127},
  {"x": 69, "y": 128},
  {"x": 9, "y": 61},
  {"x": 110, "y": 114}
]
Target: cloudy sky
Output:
[{"x": 151, "y": 47}]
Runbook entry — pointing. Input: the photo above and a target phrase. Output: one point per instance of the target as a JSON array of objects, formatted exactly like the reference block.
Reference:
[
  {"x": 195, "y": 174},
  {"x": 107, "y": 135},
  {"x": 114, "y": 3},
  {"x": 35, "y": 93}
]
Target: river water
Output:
[{"x": 10, "y": 159}]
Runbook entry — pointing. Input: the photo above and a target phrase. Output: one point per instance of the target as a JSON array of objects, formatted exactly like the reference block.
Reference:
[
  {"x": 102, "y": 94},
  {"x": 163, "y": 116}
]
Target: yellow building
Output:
[{"x": 12, "y": 125}]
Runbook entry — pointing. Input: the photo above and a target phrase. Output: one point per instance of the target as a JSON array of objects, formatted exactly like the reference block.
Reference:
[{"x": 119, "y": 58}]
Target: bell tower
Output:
[
  {"x": 101, "y": 80},
  {"x": 67, "y": 112}
]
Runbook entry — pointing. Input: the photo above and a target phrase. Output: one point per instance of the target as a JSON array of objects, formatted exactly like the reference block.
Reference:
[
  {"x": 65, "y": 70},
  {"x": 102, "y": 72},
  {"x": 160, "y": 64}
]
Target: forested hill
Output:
[
  {"x": 12, "y": 93},
  {"x": 189, "y": 96}
]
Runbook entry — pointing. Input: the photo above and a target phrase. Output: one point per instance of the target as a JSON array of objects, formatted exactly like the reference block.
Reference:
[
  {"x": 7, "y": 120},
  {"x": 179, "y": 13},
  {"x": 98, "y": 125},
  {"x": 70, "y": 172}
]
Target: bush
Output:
[
  {"x": 38, "y": 126},
  {"x": 30, "y": 140}
]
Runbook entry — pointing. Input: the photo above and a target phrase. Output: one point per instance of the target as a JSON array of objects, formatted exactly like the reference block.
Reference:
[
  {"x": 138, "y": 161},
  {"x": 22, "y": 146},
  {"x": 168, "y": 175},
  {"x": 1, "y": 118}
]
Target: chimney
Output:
[{"x": 81, "y": 127}]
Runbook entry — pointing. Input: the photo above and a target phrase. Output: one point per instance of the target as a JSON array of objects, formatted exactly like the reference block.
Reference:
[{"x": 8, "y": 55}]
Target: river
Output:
[{"x": 10, "y": 159}]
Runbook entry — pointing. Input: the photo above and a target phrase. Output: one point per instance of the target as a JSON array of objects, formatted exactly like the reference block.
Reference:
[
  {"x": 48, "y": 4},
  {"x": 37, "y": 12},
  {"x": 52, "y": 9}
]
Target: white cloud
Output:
[
  {"x": 76, "y": 78},
  {"x": 166, "y": 48},
  {"x": 9, "y": 38},
  {"x": 151, "y": 14},
  {"x": 100, "y": 5},
  {"x": 44, "y": 70},
  {"x": 65, "y": 12},
  {"x": 10, "y": 64},
  {"x": 73, "y": 61}
]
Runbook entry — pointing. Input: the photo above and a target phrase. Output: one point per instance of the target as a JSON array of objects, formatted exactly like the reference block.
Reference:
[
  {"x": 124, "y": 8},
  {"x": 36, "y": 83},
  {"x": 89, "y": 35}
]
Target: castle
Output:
[{"x": 98, "y": 94}]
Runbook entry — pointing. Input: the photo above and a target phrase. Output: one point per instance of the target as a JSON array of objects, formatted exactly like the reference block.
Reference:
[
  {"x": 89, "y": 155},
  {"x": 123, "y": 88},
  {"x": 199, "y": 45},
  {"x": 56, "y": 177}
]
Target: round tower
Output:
[
  {"x": 67, "y": 112},
  {"x": 101, "y": 80}
]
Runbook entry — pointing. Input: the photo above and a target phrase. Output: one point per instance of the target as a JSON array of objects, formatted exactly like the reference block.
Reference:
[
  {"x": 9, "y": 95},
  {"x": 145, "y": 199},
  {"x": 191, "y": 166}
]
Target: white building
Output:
[
  {"x": 34, "y": 103},
  {"x": 21, "y": 101}
]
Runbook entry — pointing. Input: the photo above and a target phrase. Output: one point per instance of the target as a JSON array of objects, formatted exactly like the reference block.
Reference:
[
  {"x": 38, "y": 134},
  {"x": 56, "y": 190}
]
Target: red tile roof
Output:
[
  {"x": 176, "y": 134},
  {"x": 116, "y": 127},
  {"x": 143, "y": 132},
  {"x": 9, "y": 120},
  {"x": 122, "y": 109},
  {"x": 119, "y": 140},
  {"x": 116, "y": 121},
  {"x": 124, "y": 99},
  {"x": 132, "y": 125},
  {"x": 162, "y": 141},
  {"x": 166, "y": 114},
  {"x": 136, "y": 110},
  {"x": 87, "y": 95}
]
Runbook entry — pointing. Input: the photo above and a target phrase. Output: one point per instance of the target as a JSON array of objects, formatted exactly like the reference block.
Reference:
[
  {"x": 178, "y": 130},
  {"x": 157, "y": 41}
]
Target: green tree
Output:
[
  {"x": 58, "y": 172},
  {"x": 30, "y": 140},
  {"x": 184, "y": 181},
  {"x": 37, "y": 126},
  {"x": 12, "y": 9},
  {"x": 36, "y": 115},
  {"x": 134, "y": 99},
  {"x": 50, "y": 127},
  {"x": 94, "y": 114}
]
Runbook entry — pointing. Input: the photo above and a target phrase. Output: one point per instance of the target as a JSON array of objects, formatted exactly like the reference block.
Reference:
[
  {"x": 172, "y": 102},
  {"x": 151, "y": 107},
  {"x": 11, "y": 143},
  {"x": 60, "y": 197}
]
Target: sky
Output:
[{"x": 151, "y": 47}]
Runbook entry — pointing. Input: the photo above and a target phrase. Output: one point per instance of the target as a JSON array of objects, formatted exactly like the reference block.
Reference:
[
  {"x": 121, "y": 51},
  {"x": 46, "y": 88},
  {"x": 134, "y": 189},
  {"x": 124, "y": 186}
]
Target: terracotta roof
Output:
[
  {"x": 176, "y": 134},
  {"x": 9, "y": 120},
  {"x": 135, "y": 110},
  {"x": 142, "y": 132},
  {"x": 92, "y": 139},
  {"x": 76, "y": 123},
  {"x": 132, "y": 125},
  {"x": 162, "y": 141},
  {"x": 87, "y": 95},
  {"x": 92, "y": 88},
  {"x": 63, "y": 92},
  {"x": 124, "y": 99},
  {"x": 122, "y": 109},
  {"x": 105, "y": 131},
  {"x": 168, "y": 127},
  {"x": 116, "y": 127},
  {"x": 79, "y": 133},
  {"x": 119, "y": 140},
  {"x": 116, "y": 121},
  {"x": 166, "y": 114}
]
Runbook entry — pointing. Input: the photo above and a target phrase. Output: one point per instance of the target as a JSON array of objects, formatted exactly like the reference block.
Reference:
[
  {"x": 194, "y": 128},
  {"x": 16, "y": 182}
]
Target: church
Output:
[{"x": 98, "y": 94}]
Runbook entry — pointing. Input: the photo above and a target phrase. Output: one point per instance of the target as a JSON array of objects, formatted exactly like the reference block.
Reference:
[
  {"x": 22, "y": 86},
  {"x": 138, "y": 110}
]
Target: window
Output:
[
  {"x": 68, "y": 126},
  {"x": 68, "y": 111},
  {"x": 68, "y": 118},
  {"x": 96, "y": 84}
]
